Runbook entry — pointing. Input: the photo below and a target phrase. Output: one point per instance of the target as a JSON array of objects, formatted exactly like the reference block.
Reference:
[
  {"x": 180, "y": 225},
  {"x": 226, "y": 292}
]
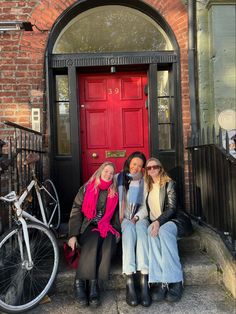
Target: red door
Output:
[{"x": 113, "y": 118}]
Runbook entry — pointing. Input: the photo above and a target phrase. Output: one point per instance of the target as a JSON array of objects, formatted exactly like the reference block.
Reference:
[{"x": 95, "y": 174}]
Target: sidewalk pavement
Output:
[{"x": 196, "y": 299}]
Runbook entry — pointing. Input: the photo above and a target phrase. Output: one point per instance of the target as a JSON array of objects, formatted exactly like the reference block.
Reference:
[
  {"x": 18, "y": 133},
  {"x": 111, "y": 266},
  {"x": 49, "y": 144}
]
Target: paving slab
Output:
[{"x": 196, "y": 300}]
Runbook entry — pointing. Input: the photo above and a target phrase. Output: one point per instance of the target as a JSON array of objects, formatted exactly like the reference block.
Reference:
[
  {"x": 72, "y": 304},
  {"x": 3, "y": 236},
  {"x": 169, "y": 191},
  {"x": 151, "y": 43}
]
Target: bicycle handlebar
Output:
[{"x": 11, "y": 197}]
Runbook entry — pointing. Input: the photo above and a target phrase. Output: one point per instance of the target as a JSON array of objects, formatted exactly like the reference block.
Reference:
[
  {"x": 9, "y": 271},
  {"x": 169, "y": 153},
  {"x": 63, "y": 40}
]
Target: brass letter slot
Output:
[{"x": 115, "y": 153}]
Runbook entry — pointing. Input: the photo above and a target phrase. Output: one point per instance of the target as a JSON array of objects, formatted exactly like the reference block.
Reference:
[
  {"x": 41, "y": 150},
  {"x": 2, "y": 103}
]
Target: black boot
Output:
[
  {"x": 131, "y": 297},
  {"x": 175, "y": 291},
  {"x": 145, "y": 294},
  {"x": 80, "y": 292},
  {"x": 158, "y": 291},
  {"x": 94, "y": 299}
]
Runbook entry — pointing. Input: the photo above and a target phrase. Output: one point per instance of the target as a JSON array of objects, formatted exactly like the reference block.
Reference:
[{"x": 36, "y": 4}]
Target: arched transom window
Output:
[{"x": 111, "y": 28}]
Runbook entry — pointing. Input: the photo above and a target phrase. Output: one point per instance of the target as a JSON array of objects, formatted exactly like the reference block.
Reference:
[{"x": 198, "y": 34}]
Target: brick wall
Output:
[{"x": 22, "y": 80}]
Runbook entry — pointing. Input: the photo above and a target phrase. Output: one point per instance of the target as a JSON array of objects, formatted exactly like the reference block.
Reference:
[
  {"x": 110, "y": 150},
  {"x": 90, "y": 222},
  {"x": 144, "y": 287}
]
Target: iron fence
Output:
[
  {"x": 15, "y": 144},
  {"x": 212, "y": 169}
]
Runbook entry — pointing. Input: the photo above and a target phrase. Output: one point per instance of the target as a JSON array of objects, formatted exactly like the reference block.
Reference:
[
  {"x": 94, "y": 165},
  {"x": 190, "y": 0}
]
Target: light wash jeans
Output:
[
  {"x": 134, "y": 246},
  {"x": 164, "y": 262}
]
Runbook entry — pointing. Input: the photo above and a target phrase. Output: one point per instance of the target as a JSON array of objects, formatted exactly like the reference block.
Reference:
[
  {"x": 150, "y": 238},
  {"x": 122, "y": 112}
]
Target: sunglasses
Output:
[{"x": 153, "y": 167}]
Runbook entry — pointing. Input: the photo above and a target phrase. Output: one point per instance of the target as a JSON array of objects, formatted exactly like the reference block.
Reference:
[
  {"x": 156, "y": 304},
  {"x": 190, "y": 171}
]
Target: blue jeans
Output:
[
  {"x": 164, "y": 262},
  {"x": 134, "y": 246}
]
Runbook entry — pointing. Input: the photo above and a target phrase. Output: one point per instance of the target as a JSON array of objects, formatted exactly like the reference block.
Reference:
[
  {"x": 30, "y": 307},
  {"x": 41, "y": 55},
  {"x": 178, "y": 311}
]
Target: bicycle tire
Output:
[
  {"x": 22, "y": 289},
  {"x": 51, "y": 204}
]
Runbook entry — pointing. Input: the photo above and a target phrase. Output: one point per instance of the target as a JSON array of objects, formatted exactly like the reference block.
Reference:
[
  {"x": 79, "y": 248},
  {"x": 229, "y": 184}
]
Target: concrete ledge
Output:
[{"x": 216, "y": 249}]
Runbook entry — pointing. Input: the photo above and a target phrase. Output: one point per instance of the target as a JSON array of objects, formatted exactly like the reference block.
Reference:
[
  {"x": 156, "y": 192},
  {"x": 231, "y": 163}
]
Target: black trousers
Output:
[{"x": 96, "y": 254}]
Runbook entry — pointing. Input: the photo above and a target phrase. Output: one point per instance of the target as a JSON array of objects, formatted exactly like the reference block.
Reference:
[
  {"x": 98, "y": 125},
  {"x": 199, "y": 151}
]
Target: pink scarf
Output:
[{"x": 90, "y": 203}]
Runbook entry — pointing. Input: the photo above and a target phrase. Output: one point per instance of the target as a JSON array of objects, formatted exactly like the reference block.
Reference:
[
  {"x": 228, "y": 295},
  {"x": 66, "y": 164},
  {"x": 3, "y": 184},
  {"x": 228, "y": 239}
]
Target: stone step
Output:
[
  {"x": 198, "y": 270},
  {"x": 191, "y": 243},
  {"x": 196, "y": 299}
]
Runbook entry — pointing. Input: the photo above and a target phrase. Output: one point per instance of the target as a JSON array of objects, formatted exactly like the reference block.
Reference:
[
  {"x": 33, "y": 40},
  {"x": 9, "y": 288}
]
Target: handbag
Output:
[
  {"x": 182, "y": 220},
  {"x": 71, "y": 256},
  {"x": 184, "y": 224}
]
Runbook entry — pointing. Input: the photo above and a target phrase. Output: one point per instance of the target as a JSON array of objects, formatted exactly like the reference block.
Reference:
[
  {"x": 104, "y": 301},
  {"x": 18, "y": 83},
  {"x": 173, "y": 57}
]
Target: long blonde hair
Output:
[
  {"x": 164, "y": 178},
  {"x": 96, "y": 177}
]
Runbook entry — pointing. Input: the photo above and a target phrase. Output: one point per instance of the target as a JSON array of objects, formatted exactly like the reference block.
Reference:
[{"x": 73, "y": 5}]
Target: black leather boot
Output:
[
  {"x": 158, "y": 291},
  {"x": 175, "y": 291},
  {"x": 145, "y": 294},
  {"x": 131, "y": 296},
  {"x": 80, "y": 292},
  {"x": 94, "y": 298}
]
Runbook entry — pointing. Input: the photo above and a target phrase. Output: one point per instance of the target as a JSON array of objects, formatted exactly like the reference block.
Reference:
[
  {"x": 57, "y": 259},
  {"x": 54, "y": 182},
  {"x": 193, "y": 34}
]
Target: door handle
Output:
[{"x": 94, "y": 155}]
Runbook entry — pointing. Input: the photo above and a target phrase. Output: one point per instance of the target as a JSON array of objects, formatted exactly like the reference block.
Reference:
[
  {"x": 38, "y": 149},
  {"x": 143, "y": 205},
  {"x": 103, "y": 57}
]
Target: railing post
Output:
[
  {"x": 220, "y": 138},
  {"x": 227, "y": 142},
  {"x": 213, "y": 134}
]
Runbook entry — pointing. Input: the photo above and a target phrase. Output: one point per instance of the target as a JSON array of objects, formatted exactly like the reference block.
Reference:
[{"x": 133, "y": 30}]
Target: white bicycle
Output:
[{"x": 29, "y": 253}]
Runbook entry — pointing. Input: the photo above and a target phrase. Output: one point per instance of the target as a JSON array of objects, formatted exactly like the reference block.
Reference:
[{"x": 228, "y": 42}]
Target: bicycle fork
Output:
[{"x": 26, "y": 263}]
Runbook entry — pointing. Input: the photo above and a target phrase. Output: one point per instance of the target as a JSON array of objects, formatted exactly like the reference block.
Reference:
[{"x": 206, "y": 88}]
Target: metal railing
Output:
[
  {"x": 15, "y": 144},
  {"x": 212, "y": 169}
]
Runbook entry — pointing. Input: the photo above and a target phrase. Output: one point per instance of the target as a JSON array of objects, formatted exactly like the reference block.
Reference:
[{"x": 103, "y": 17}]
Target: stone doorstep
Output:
[{"x": 198, "y": 270}]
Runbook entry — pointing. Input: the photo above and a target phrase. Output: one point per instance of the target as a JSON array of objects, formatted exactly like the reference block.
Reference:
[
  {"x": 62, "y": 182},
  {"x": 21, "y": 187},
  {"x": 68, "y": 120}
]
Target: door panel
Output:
[
  {"x": 95, "y": 90},
  {"x": 131, "y": 88},
  {"x": 132, "y": 125},
  {"x": 113, "y": 118},
  {"x": 96, "y": 120}
]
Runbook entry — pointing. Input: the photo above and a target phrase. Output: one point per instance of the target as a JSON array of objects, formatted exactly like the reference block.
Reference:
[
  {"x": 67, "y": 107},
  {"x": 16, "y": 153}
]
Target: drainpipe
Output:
[{"x": 192, "y": 63}]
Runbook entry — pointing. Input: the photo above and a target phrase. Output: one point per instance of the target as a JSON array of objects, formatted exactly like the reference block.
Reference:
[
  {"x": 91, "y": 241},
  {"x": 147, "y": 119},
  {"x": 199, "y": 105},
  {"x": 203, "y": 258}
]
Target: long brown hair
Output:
[{"x": 164, "y": 178}]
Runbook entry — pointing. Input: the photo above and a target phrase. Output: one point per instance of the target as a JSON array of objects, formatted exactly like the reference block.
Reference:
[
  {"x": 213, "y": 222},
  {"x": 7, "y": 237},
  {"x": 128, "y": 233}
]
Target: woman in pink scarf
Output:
[{"x": 93, "y": 226}]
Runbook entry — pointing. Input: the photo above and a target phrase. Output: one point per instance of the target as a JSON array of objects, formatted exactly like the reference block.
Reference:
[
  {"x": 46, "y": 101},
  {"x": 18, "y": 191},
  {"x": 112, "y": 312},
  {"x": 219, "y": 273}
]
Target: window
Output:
[
  {"x": 165, "y": 111},
  {"x": 62, "y": 115},
  {"x": 111, "y": 28}
]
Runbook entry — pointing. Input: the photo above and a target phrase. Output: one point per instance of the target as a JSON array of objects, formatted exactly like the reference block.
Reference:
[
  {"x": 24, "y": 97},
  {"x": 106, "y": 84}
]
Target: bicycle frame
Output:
[
  {"x": 23, "y": 196},
  {"x": 21, "y": 214}
]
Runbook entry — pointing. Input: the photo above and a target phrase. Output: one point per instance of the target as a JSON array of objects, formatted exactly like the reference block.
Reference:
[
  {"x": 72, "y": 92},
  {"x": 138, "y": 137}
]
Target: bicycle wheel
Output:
[
  {"x": 23, "y": 286},
  {"x": 51, "y": 204}
]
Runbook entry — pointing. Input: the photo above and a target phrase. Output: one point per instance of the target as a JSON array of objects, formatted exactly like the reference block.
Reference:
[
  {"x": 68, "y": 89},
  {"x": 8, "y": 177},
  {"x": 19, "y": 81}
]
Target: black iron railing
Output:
[
  {"x": 15, "y": 144},
  {"x": 212, "y": 168}
]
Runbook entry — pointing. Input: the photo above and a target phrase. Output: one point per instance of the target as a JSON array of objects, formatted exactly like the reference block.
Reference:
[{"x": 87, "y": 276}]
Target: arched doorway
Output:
[{"x": 102, "y": 61}]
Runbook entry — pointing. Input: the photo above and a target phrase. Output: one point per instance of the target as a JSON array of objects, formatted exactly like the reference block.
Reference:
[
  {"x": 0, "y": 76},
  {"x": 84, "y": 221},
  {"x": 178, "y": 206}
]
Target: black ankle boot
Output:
[
  {"x": 131, "y": 297},
  {"x": 145, "y": 294},
  {"x": 80, "y": 292},
  {"x": 94, "y": 299},
  {"x": 158, "y": 291},
  {"x": 175, "y": 291}
]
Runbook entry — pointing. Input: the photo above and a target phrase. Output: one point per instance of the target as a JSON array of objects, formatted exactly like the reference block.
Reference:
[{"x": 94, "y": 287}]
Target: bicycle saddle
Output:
[{"x": 31, "y": 158}]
